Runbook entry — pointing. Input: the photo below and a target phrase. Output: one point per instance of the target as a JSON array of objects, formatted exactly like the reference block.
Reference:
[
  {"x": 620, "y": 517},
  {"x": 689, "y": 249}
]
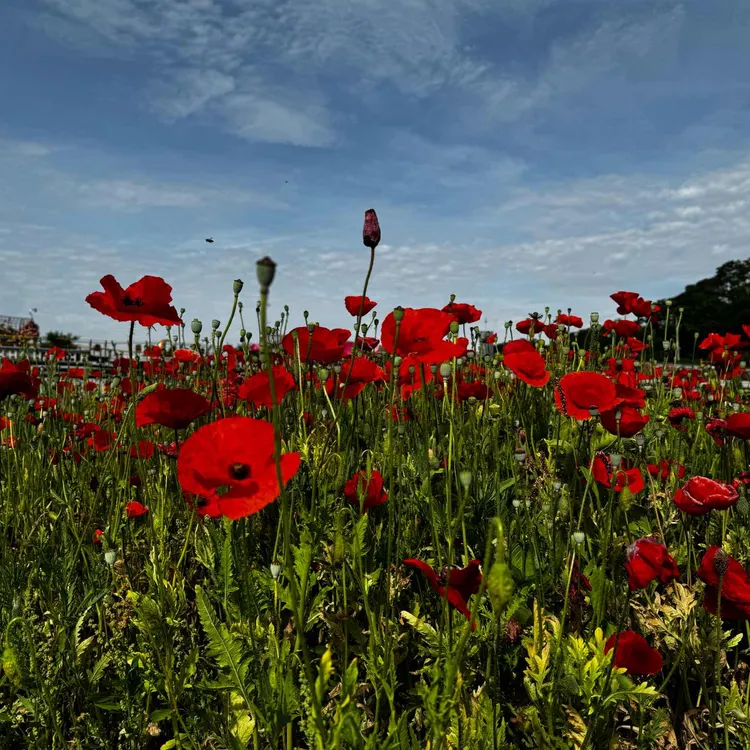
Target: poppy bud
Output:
[
  {"x": 237, "y": 286},
  {"x": 215, "y": 324},
  {"x": 196, "y": 326},
  {"x": 454, "y": 326},
  {"x": 721, "y": 563},
  {"x": 398, "y": 314},
  {"x": 266, "y": 270},
  {"x": 371, "y": 230}
]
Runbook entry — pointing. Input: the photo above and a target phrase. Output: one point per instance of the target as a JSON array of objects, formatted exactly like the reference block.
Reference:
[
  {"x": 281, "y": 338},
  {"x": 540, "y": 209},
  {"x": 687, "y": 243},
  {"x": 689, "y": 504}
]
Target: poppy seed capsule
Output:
[
  {"x": 721, "y": 563},
  {"x": 398, "y": 314},
  {"x": 371, "y": 229},
  {"x": 196, "y": 326},
  {"x": 265, "y": 269},
  {"x": 237, "y": 286}
]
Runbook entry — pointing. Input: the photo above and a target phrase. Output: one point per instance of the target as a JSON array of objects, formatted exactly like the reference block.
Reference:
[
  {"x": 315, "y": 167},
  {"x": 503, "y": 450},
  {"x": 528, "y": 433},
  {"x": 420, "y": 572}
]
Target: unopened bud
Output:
[
  {"x": 398, "y": 314},
  {"x": 371, "y": 229}
]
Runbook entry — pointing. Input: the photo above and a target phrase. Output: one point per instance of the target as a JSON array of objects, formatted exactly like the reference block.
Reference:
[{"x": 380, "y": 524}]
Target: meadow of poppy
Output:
[{"x": 406, "y": 533}]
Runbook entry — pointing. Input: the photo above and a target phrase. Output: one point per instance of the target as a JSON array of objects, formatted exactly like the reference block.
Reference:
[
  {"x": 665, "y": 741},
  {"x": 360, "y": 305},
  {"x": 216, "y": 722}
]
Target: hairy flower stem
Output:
[{"x": 286, "y": 519}]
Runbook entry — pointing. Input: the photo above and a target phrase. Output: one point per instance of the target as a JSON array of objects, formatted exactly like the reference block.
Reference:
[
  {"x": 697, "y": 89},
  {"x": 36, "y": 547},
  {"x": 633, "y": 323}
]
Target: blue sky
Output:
[{"x": 520, "y": 153}]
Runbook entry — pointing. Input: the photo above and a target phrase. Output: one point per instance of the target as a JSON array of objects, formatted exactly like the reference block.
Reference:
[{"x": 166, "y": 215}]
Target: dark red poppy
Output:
[
  {"x": 604, "y": 473},
  {"x": 421, "y": 334},
  {"x": 186, "y": 356},
  {"x": 699, "y": 495},
  {"x": 145, "y": 302},
  {"x": 257, "y": 388},
  {"x": 579, "y": 584},
  {"x": 572, "y": 321},
  {"x": 134, "y": 509},
  {"x": 98, "y": 534},
  {"x": 175, "y": 408},
  {"x": 455, "y": 584},
  {"x": 580, "y": 393},
  {"x": 101, "y": 440},
  {"x": 648, "y": 559},
  {"x": 463, "y": 312},
  {"x": 631, "y": 421},
  {"x": 633, "y": 653},
  {"x": 323, "y": 345},
  {"x": 15, "y": 378},
  {"x": 717, "y": 344},
  {"x": 633, "y": 303},
  {"x": 526, "y": 363},
  {"x": 353, "y": 303},
  {"x": 746, "y": 329},
  {"x": 679, "y": 415},
  {"x": 735, "y": 586},
  {"x": 372, "y": 491},
  {"x": 738, "y": 425},
  {"x": 371, "y": 229},
  {"x": 742, "y": 479},
  {"x": 235, "y": 454}
]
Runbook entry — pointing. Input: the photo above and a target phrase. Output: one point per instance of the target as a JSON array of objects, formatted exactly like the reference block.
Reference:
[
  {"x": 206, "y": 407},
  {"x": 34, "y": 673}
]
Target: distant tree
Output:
[
  {"x": 63, "y": 340},
  {"x": 720, "y": 304}
]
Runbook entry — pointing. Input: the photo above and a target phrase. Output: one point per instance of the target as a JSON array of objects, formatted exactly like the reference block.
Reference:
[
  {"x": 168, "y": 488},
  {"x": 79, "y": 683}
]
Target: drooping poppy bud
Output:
[{"x": 371, "y": 230}]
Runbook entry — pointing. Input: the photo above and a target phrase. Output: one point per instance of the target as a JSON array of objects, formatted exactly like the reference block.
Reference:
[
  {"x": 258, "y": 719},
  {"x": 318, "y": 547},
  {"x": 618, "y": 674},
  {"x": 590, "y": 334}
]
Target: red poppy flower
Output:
[
  {"x": 235, "y": 453},
  {"x": 629, "y": 396},
  {"x": 647, "y": 559},
  {"x": 145, "y": 302},
  {"x": 186, "y": 355},
  {"x": 664, "y": 470},
  {"x": 352, "y": 304},
  {"x": 603, "y": 473},
  {"x": 624, "y": 301},
  {"x": 633, "y": 653},
  {"x": 678, "y": 416},
  {"x": 699, "y": 495},
  {"x": 623, "y": 328},
  {"x": 372, "y": 491},
  {"x": 257, "y": 388},
  {"x": 98, "y": 534},
  {"x": 717, "y": 344},
  {"x": 101, "y": 440},
  {"x": 735, "y": 587},
  {"x": 456, "y": 584},
  {"x": 530, "y": 326},
  {"x": 741, "y": 479},
  {"x": 134, "y": 509},
  {"x": 572, "y": 321},
  {"x": 175, "y": 408},
  {"x": 463, "y": 313},
  {"x": 526, "y": 363},
  {"x": 15, "y": 378},
  {"x": 746, "y": 329},
  {"x": 581, "y": 392},
  {"x": 323, "y": 345},
  {"x": 359, "y": 373},
  {"x": 717, "y": 429},
  {"x": 738, "y": 424},
  {"x": 371, "y": 229},
  {"x": 144, "y": 450},
  {"x": 421, "y": 334},
  {"x": 631, "y": 421}
]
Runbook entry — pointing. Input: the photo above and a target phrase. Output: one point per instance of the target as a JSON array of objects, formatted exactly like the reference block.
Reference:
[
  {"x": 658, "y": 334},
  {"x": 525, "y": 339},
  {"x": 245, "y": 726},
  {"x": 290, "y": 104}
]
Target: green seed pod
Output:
[
  {"x": 500, "y": 586},
  {"x": 11, "y": 667}
]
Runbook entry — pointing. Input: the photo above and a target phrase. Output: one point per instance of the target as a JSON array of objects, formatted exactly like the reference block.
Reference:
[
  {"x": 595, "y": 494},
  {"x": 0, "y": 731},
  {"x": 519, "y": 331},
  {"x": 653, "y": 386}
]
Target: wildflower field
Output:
[{"x": 401, "y": 533}]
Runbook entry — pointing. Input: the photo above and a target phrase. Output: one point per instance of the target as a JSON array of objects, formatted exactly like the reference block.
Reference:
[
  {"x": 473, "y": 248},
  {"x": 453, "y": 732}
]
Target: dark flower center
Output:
[
  {"x": 128, "y": 301},
  {"x": 239, "y": 471}
]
